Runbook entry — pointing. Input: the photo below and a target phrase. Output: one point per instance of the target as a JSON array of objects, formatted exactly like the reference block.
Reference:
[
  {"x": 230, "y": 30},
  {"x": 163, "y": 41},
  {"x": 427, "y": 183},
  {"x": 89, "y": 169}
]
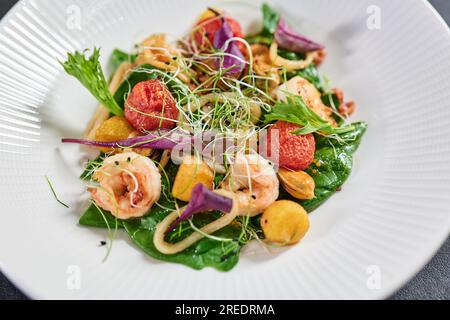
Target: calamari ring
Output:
[
  {"x": 172, "y": 248},
  {"x": 290, "y": 65}
]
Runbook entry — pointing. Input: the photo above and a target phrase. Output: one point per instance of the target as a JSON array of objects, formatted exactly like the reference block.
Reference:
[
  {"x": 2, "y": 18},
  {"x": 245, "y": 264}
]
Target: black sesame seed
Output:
[
  {"x": 129, "y": 159},
  {"x": 225, "y": 257},
  {"x": 116, "y": 163},
  {"x": 102, "y": 243}
]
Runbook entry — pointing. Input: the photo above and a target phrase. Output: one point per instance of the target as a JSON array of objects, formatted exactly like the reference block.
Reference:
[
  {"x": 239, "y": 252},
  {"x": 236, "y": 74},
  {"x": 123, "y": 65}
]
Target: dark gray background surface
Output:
[{"x": 433, "y": 282}]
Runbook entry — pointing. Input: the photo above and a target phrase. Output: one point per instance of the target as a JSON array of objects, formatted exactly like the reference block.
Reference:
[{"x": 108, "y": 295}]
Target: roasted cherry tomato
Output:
[
  {"x": 295, "y": 152},
  {"x": 150, "y": 106},
  {"x": 208, "y": 27}
]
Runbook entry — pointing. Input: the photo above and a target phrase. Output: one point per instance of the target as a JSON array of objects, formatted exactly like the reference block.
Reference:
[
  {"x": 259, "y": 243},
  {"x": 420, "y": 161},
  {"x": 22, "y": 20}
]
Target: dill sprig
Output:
[
  {"x": 88, "y": 71},
  {"x": 295, "y": 110},
  {"x": 111, "y": 232}
]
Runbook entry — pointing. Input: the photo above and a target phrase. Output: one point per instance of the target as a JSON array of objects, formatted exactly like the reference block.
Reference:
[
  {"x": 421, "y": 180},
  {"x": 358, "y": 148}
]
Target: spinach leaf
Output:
[
  {"x": 91, "y": 166},
  {"x": 331, "y": 100},
  {"x": 93, "y": 218},
  {"x": 270, "y": 22},
  {"x": 332, "y": 166},
  {"x": 259, "y": 39},
  {"x": 205, "y": 253},
  {"x": 144, "y": 73},
  {"x": 310, "y": 73},
  {"x": 218, "y": 178},
  {"x": 290, "y": 55},
  {"x": 118, "y": 57}
]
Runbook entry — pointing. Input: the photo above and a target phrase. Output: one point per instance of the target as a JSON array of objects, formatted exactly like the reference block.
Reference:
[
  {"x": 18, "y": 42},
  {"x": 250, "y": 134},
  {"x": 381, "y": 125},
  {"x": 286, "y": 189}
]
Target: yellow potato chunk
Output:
[
  {"x": 118, "y": 128},
  {"x": 113, "y": 129},
  {"x": 191, "y": 172},
  {"x": 284, "y": 222}
]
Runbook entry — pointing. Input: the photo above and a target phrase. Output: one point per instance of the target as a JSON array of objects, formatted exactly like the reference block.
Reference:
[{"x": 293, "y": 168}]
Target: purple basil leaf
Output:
[
  {"x": 202, "y": 200},
  {"x": 235, "y": 57},
  {"x": 289, "y": 39}
]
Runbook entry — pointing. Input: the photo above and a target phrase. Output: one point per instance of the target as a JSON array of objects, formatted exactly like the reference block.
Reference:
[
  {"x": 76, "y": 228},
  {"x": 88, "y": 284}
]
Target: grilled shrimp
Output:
[
  {"x": 254, "y": 182},
  {"x": 302, "y": 87},
  {"x": 129, "y": 184}
]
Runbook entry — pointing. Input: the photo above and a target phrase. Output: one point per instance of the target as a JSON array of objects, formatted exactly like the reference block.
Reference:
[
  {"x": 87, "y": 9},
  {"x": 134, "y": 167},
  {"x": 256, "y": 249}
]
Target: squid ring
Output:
[
  {"x": 289, "y": 64},
  {"x": 172, "y": 248}
]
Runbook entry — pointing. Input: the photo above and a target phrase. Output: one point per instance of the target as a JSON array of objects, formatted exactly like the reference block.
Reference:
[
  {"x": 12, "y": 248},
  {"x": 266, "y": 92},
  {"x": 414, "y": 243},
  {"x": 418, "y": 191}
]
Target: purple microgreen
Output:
[
  {"x": 156, "y": 140},
  {"x": 289, "y": 39},
  {"x": 233, "y": 58},
  {"x": 202, "y": 200}
]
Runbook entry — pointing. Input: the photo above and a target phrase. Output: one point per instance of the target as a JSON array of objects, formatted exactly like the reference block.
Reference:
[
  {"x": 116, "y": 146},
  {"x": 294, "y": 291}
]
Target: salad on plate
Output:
[{"x": 214, "y": 139}]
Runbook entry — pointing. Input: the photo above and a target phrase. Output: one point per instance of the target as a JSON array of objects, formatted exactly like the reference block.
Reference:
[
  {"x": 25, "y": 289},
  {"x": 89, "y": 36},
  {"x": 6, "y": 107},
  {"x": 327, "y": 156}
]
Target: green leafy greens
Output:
[
  {"x": 295, "y": 110},
  {"x": 91, "y": 166},
  {"x": 332, "y": 165},
  {"x": 330, "y": 99},
  {"x": 290, "y": 55},
  {"x": 222, "y": 255},
  {"x": 310, "y": 73},
  {"x": 118, "y": 57},
  {"x": 270, "y": 22},
  {"x": 99, "y": 218},
  {"x": 205, "y": 253},
  {"x": 89, "y": 72}
]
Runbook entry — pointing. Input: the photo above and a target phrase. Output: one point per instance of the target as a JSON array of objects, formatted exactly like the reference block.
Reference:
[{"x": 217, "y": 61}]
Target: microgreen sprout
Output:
[{"x": 54, "y": 192}]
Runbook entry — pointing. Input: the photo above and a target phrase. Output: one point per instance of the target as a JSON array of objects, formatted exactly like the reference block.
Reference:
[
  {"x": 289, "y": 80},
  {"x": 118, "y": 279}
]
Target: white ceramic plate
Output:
[{"x": 365, "y": 242}]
